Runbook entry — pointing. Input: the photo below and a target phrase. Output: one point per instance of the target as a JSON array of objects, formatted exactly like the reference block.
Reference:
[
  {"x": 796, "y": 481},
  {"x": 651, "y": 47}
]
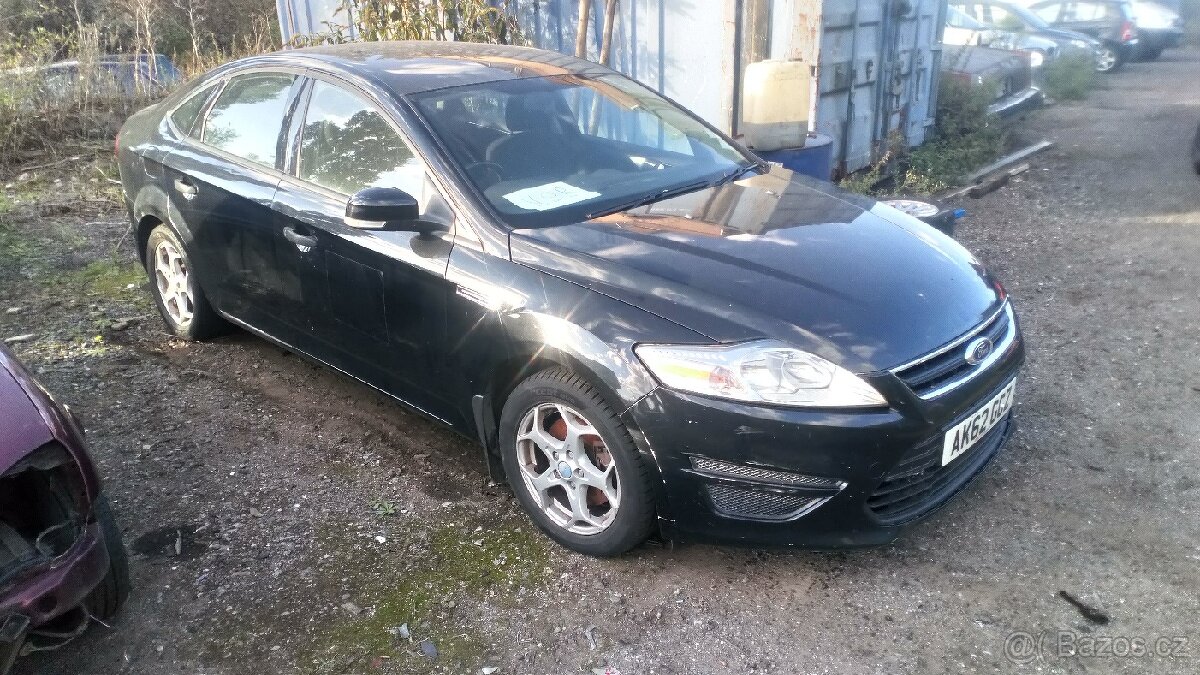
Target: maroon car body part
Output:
[{"x": 53, "y": 553}]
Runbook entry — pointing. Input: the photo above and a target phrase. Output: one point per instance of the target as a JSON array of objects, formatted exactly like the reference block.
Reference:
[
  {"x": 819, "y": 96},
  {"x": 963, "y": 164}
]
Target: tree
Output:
[
  {"x": 585, "y": 16},
  {"x": 195, "y": 12}
]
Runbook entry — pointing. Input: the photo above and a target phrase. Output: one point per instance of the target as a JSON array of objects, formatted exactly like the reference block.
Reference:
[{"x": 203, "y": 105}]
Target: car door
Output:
[
  {"x": 223, "y": 183},
  {"x": 377, "y": 302}
]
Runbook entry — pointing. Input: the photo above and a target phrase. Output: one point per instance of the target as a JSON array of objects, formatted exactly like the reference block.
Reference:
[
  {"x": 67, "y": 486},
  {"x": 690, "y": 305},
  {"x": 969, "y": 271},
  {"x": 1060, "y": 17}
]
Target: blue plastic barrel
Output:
[{"x": 814, "y": 159}]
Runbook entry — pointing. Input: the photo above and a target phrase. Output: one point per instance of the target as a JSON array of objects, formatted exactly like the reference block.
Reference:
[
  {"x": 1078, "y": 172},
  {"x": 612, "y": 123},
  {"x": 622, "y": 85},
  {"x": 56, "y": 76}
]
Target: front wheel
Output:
[
  {"x": 104, "y": 601},
  {"x": 573, "y": 466}
]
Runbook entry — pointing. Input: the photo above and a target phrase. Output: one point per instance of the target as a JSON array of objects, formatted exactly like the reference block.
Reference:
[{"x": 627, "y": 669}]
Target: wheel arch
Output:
[
  {"x": 529, "y": 358},
  {"x": 152, "y": 208}
]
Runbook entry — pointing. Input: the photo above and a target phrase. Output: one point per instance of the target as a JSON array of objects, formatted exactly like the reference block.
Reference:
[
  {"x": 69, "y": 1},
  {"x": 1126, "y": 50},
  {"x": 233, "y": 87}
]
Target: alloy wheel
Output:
[
  {"x": 567, "y": 468},
  {"x": 1106, "y": 60},
  {"x": 171, "y": 279}
]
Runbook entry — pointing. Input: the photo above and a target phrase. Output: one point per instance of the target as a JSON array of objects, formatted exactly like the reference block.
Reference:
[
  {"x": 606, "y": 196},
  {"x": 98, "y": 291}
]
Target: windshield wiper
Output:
[
  {"x": 651, "y": 198},
  {"x": 659, "y": 196},
  {"x": 736, "y": 173}
]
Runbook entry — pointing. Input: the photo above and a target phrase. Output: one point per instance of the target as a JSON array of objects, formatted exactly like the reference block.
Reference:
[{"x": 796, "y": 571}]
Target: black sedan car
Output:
[{"x": 645, "y": 327}]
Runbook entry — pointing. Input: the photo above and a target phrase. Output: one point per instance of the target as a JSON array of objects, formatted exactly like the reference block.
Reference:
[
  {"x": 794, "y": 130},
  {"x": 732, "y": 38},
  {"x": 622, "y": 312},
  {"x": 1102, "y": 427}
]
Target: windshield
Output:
[{"x": 554, "y": 150}]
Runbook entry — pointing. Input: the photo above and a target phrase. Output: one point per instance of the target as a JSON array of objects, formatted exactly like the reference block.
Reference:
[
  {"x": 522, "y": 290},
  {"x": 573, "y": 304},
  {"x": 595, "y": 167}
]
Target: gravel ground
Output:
[{"x": 284, "y": 519}]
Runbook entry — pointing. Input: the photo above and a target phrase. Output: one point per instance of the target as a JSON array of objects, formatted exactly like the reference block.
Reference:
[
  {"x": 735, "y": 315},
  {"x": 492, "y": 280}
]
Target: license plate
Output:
[{"x": 967, "y": 433}]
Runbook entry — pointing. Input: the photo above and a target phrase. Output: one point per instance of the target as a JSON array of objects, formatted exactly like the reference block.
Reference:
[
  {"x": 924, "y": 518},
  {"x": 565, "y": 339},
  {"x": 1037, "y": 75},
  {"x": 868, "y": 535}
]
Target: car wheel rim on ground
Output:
[
  {"x": 1107, "y": 60},
  {"x": 568, "y": 469},
  {"x": 171, "y": 280}
]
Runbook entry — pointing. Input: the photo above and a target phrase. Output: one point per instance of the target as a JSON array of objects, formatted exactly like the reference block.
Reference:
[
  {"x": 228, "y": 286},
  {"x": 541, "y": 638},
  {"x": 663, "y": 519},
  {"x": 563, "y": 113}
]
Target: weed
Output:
[
  {"x": 493, "y": 564},
  {"x": 1070, "y": 77},
  {"x": 382, "y": 507},
  {"x": 965, "y": 138},
  {"x": 108, "y": 278}
]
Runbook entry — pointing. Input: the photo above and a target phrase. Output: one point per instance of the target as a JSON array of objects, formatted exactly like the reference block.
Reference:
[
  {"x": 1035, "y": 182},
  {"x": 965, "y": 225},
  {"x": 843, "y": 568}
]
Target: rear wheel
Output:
[
  {"x": 1108, "y": 59},
  {"x": 104, "y": 601},
  {"x": 180, "y": 300},
  {"x": 574, "y": 467}
]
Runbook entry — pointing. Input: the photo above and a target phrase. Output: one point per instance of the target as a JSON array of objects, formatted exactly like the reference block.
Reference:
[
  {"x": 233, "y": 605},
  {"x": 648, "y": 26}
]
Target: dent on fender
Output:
[{"x": 615, "y": 367}]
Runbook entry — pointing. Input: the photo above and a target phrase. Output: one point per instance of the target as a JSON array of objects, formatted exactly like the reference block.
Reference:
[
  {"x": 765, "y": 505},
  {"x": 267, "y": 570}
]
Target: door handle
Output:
[
  {"x": 185, "y": 188},
  {"x": 302, "y": 241}
]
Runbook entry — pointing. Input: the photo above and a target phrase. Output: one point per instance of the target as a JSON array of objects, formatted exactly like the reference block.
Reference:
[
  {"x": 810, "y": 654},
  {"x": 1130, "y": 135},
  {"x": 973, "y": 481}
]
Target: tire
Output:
[
  {"x": 196, "y": 319},
  {"x": 927, "y": 210},
  {"x": 1152, "y": 53},
  {"x": 106, "y": 599},
  {"x": 625, "y": 526},
  {"x": 1109, "y": 59}
]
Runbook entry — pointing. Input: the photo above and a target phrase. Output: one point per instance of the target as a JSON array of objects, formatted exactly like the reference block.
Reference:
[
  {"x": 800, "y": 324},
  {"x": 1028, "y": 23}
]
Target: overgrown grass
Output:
[
  {"x": 1070, "y": 77},
  {"x": 46, "y": 111}
]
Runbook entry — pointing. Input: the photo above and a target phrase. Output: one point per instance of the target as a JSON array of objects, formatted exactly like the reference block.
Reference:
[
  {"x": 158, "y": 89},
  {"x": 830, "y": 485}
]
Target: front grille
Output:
[
  {"x": 920, "y": 484},
  {"x": 716, "y": 466},
  {"x": 757, "y": 504},
  {"x": 932, "y": 375}
]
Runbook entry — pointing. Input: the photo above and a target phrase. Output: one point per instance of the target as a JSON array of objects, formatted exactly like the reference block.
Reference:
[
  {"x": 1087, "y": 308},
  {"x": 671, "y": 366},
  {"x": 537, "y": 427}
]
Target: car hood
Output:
[
  {"x": 782, "y": 256},
  {"x": 22, "y": 429}
]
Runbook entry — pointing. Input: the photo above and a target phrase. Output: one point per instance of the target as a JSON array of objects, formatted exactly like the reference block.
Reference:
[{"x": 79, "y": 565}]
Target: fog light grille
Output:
[
  {"x": 732, "y": 470},
  {"x": 761, "y": 505}
]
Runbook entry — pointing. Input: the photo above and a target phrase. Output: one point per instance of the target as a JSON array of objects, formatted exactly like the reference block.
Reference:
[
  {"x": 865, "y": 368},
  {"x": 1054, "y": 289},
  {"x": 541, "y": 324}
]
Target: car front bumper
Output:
[
  {"x": 1017, "y": 103},
  {"x": 47, "y": 593},
  {"x": 749, "y": 475}
]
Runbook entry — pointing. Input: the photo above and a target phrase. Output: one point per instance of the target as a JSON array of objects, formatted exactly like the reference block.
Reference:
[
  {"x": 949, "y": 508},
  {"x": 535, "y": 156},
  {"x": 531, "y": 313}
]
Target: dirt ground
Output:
[{"x": 283, "y": 519}]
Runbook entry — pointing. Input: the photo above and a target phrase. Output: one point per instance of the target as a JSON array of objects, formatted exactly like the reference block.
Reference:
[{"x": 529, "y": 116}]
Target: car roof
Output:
[{"x": 409, "y": 67}]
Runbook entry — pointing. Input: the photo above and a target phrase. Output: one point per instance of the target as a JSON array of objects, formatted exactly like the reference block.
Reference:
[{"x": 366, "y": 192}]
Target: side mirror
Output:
[{"x": 383, "y": 208}]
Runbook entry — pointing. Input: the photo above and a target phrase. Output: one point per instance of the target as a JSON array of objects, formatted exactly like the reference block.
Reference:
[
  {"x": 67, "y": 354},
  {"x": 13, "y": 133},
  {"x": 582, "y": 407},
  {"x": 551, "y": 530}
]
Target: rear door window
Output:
[
  {"x": 184, "y": 117},
  {"x": 247, "y": 116}
]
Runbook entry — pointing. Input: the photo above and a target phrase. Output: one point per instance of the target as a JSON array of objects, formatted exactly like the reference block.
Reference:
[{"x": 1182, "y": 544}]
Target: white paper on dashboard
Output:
[{"x": 549, "y": 196}]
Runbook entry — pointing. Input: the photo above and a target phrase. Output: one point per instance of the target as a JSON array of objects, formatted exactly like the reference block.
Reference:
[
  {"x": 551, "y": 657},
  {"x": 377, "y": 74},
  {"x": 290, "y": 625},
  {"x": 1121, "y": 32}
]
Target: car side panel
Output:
[
  {"x": 230, "y": 221},
  {"x": 374, "y": 300}
]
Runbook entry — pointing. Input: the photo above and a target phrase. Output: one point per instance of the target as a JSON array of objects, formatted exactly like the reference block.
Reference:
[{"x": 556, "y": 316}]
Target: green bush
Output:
[
  {"x": 966, "y": 138},
  {"x": 1070, "y": 77}
]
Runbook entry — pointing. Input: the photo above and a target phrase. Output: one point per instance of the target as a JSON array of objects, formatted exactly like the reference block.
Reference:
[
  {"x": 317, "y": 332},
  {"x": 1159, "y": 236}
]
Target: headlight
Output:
[
  {"x": 1036, "y": 59},
  {"x": 758, "y": 372}
]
